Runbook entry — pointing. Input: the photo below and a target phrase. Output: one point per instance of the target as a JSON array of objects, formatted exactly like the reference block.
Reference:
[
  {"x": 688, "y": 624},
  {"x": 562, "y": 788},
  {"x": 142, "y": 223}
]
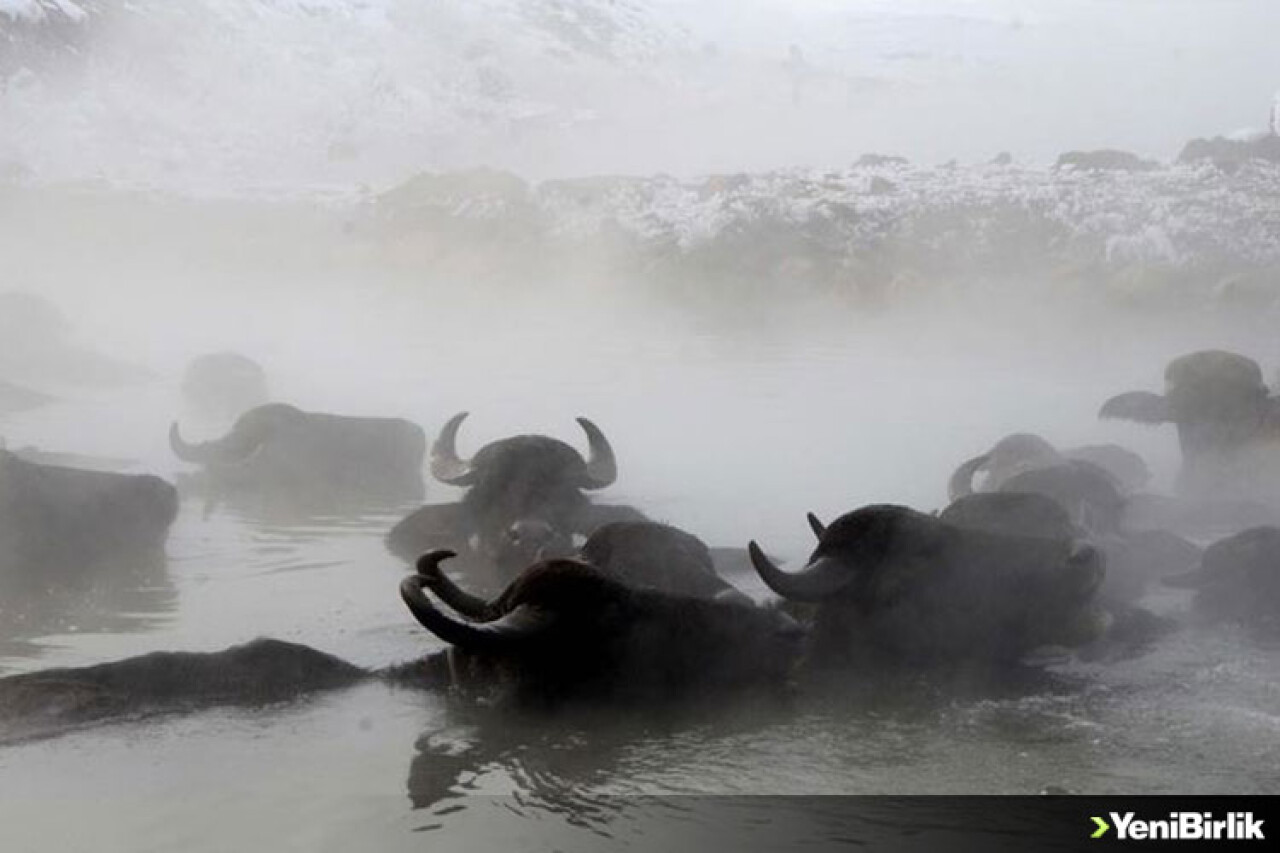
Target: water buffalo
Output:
[
  {"x": 657, "y": 556},
  {"x": 525, "y": 500},
  {"x": 898, "y": 587},
  {"x": 1239, "y": 579},
  {"x": 1133, "y": 560},
  {"x": 223, "y": 385},
  {"x": 1020, "y": 452},
  {"x": 59, "y": 520},
  {"x": 259, "y": 672},
  {"x": 1085, "y": 491},
  {"x": 1228, "y": 424},
  {"x": 564, "y": 629},
  {"x": 1027, "y": 463},
  {"x": 1013, "y": 513},
  {"x": 312, "y": 456},
  {"x": 39, "y": 347}
]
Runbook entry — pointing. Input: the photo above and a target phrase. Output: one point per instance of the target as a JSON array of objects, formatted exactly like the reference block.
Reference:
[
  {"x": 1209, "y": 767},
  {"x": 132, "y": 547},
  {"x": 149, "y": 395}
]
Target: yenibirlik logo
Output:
[{"x": 1182, "y": 826}]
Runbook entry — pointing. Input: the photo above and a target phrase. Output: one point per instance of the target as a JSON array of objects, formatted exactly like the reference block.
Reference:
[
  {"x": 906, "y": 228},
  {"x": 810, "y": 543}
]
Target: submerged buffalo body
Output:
[
  {"x": 526, "y": 499},
  {"x": 1239, "y": 579},
  {"x": 1093, "y": 498},
  {"x": 58, "y": 519},
  {"x": 1012, "y": 513},
  {"x": 1134, "y": 559},
  {"x": 311, "y": 455},
  {"x": 1228, "y": 424},
  {"x": 1085, "y": 491},
  {"x": 39, "y": 346},
  {"x": 895, "y": 586},
  {"x": 566, "y": 629},
  {"x": 657, "y": 556},
  {"x": 258, "y": 672}
]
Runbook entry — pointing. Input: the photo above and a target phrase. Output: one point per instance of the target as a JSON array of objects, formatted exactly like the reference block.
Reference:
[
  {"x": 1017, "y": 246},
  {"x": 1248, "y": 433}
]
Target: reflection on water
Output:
[{"x": 122, "y": 596}]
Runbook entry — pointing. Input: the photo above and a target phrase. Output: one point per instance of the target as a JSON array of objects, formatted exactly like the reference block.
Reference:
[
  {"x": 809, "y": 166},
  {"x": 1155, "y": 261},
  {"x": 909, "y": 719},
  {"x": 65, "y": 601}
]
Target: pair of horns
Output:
[
  {"x": 818, "y": 581},
  {"x": 485, "y": 629},
  {"x": 448, "y": 467}
]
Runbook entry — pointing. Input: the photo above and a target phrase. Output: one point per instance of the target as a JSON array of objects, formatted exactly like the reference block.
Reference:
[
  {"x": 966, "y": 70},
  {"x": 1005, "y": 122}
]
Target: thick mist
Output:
[
  {"x": 768, "y": 247},
  {"x": 733, "y": 414}
]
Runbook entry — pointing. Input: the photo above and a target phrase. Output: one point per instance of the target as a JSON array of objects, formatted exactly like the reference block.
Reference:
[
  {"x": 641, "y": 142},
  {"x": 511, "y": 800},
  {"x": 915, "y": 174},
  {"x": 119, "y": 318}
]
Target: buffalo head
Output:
[
  {"x": 1021, "y": 452},
  {"x": 525, "y": 500},
  {"x": 1228, "y": 424}
]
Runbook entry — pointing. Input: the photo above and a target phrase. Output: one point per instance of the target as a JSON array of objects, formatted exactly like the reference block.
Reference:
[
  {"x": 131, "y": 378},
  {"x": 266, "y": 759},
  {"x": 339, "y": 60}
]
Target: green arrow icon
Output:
[{"x": 1103, "y": 826}]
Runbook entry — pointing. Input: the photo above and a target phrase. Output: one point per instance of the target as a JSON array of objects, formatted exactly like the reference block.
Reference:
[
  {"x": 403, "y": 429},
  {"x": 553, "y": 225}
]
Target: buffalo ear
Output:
[{"x": 1140, "y": 406}]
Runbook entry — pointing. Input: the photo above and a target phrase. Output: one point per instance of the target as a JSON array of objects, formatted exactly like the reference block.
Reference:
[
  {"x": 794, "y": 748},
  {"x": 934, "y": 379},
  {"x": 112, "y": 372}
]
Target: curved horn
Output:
[
  {"x": 445, "y": 464},
  {"x": 818, "y": 581},
  {"x": 961, "y": 483},
  {"x": 471, "y": 606},
  {"x": 185, "y": 452},
  {"x": 602, "y": 465},
  {"x": 816, "y": 525},
  {"x": 236, "y": 446},
  {"x": 503, "y": 636},
  {"x": 1140, "y": 406}
]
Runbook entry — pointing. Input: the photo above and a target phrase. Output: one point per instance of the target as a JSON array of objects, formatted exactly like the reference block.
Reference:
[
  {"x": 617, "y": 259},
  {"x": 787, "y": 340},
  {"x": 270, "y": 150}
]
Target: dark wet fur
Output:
[
  {"x": 607, "y": 641},
  {"x": 260, "y": 672},
  {"x": 656, "y": 556}
]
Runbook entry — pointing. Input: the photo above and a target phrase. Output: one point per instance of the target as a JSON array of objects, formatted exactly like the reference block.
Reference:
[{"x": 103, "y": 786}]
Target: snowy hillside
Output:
[
  {"x": 218, "y": 93},
  {"x": 1180, "y": 234},
  {"x": 237, "y": 96}
]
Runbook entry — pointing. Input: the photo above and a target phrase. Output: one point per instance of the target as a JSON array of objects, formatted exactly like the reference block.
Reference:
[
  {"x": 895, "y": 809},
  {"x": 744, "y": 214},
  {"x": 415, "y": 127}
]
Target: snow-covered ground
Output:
[
  {"x": 1176, "y": 234},
  {"x": 233, "y": 95}
]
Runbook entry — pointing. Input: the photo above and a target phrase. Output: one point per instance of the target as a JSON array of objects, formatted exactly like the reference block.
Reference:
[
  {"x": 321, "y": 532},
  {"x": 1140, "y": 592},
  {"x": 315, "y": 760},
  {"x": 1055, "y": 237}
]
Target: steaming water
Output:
[
  {"x": 731, "y": 421},
  {"x": 732, "y": 428}
]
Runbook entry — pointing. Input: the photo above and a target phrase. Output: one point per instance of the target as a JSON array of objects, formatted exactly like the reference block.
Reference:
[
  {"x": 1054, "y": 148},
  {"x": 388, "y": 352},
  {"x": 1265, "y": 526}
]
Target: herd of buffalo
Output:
[{"x": 545, "y": 594}]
